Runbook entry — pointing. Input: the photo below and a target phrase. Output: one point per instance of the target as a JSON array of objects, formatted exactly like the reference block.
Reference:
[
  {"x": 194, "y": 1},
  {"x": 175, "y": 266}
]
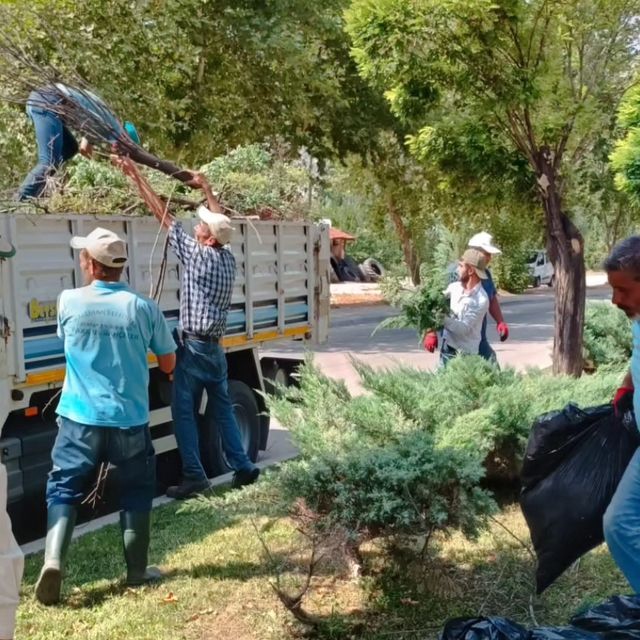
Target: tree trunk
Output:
[
  {"x": 411, "y": 257},
  {"x": 566, "y": 250}
]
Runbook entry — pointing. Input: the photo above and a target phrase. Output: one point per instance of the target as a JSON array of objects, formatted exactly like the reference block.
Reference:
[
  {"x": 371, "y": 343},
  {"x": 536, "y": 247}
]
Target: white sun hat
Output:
[{"x": 484, "y": 241}]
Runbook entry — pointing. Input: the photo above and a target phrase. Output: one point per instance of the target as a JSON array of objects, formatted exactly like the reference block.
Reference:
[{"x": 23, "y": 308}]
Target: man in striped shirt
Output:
[{"x": 208, "y": 275}]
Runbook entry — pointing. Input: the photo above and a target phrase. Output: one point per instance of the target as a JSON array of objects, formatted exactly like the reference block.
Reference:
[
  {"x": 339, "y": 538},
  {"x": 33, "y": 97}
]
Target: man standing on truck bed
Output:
[
  {"x": 208, "y": 274},
  {"x": 103, "y": 413}
]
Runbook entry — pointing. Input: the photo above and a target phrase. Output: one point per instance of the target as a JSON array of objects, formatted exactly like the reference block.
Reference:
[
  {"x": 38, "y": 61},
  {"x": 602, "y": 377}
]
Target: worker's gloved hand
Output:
[
  {"x": 430, "y": 341},
  {"x": 621, "y": 393},
  {"x": 503, "y": 331}
]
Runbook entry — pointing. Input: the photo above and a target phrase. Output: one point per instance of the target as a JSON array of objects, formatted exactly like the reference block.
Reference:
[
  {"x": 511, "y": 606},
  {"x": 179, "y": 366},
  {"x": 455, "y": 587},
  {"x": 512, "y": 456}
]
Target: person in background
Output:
[
  {"x": 469, "y": 304},
  {"x": 11, "y": 566},
  {"x": 103, "y": 413},
  {"x": 483, "y": 241},
  {"x": 208, "y": 276},
  {"x": 621, "y": 521}
]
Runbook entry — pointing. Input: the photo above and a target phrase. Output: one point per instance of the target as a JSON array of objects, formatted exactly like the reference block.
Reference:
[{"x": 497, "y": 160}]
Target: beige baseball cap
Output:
[
  {"x": 104, "y": 246},
  {"x": 218, "y": 223},
  {"x": 476, "y": 259}
]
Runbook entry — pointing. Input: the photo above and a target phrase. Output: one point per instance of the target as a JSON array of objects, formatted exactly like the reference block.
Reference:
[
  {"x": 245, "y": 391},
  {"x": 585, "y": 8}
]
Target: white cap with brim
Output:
[
  {"x": 104, "y": 246},
  {"x": 219, "y": 224},
  {"x": 484, "y": 241}
]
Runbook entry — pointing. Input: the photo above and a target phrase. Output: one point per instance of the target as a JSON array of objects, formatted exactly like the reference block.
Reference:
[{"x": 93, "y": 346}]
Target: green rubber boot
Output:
[
  {"x": 135, "y": 527},
  {"x": 61, "y": 518}
]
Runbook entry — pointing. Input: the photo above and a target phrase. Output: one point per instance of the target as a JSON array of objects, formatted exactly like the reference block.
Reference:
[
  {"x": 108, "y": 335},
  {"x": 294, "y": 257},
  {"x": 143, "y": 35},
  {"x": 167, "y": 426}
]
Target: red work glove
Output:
[
  {"x": 503, "y": 331},
  {"x": 620, "y": 394},
  {"x": 430, "y": 342}
]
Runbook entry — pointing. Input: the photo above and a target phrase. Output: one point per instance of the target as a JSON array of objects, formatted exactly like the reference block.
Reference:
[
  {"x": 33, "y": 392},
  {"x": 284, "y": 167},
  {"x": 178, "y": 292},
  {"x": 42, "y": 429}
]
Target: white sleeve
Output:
[
  {"x": 11, "y": 565},
  {"x": 464, "y": 325}
]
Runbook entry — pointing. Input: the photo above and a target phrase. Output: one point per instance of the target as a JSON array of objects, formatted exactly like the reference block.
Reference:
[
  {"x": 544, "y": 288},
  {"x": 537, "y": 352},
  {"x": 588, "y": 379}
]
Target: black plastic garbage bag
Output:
[
  {"x": 503, "y": 629},
  {"x": 571, "y": 469},
  {"x": 615, "y": 619},
  {"x": 618, "y": 617},
  {"x": 483, "y": 629}
]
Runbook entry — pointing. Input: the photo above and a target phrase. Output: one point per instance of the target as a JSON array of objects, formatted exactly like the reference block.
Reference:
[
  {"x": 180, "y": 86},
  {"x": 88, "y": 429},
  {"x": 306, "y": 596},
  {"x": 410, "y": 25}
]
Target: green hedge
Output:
[
  {"x": 409, "y": 456},
  {"x": 607, "y": 335}
]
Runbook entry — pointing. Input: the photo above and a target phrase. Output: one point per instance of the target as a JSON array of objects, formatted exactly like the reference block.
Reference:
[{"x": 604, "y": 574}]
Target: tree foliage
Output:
[
  {"x": 506, "y": 93},
  {"x": 625, "y": 157},
  {"x": 199, "y": 77}
]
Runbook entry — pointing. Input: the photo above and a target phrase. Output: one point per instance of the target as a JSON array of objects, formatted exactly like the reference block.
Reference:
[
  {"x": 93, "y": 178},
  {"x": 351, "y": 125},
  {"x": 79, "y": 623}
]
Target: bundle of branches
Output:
[
  {"x": 423, "y": 308},
  {"x": 89, "y": 187},
  {"x": 39, "y": 84}
]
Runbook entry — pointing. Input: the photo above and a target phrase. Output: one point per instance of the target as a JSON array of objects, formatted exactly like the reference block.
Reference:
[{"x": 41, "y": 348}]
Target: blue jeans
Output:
[
  {"x": 56, "y": 145},
  {"x": 622, "y": 523},
  {"x": 202, "y": 365},
  {"x": 446, "y": 353},
  {"x": 78, "y": 451},
  {"x": 486, "y": 351}
]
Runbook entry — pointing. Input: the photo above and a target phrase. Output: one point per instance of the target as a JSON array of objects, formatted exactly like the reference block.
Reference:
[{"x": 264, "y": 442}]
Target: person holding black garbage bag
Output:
[{"x": 622, "y": 519}]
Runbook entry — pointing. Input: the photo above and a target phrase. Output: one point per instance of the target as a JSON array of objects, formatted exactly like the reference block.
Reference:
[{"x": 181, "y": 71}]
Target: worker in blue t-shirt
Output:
[
  {"x": 484, "y": 242},
  {"x": 103, "y": 413}
]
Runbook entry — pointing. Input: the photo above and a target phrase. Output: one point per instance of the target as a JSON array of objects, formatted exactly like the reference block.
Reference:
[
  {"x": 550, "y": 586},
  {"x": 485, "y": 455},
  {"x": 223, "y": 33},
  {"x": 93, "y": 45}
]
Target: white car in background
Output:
[{"x": 540, "y": 268}]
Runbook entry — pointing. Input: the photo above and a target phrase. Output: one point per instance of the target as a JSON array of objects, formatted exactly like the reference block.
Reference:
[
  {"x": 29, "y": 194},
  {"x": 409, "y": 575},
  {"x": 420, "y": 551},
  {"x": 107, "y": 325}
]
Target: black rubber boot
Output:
[
  {"x": 135, "y": 527},
  {"x": 61, "y": 519}
]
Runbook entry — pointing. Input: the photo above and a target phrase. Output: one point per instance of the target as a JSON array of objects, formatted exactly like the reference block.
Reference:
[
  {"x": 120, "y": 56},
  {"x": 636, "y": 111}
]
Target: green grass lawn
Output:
[{"x": 218, "y": 585}]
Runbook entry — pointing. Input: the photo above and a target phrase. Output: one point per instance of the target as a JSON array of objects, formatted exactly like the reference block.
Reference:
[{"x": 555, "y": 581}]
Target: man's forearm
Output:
[
  {"x": 153, "y": 201},
  {"x": 495, "y": 310},
  {"x": 212, "y": 202},
  {"x": 628, "y": 380}
]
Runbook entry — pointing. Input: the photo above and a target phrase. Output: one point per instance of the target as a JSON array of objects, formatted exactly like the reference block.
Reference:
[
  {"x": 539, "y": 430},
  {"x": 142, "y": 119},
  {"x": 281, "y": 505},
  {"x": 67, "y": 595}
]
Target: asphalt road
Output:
[{"x": 530, "y": 318}]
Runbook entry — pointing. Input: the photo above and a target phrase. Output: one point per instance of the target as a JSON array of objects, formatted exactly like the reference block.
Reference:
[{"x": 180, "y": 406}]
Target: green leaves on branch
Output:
[
  {"x": 254, "y": 179},
  {"x": 625, "y": 157},
  {"x": 199, "y": 77},
  {"x": 422, "y": 308}
]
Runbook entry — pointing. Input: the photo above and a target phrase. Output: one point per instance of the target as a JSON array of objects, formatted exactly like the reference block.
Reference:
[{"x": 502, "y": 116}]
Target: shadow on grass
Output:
[
  {"x": 412, "y": 601},
  {"x": 398, "y": 596}
]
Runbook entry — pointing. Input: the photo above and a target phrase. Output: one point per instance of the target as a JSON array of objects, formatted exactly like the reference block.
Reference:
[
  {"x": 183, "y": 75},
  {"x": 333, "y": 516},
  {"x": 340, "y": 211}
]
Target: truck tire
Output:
[
  {"x": 373, "y": 269},
  {"x": 537, "y": 282},
  {"x": 275, "y": 376},
  {"x": 552, "y": 281},
  {"x": 246, "y": 409}
]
